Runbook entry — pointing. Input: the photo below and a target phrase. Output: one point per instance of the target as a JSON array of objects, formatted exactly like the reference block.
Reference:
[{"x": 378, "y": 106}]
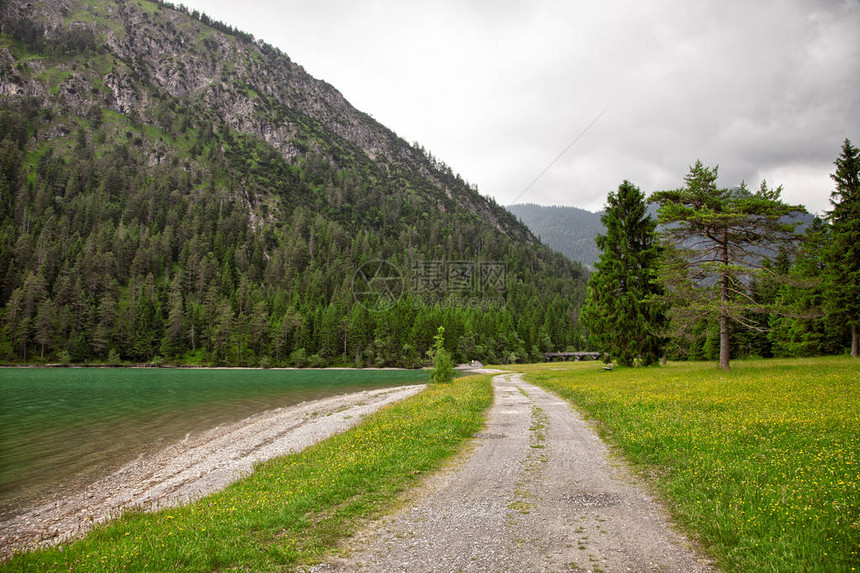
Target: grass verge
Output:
[
  {"x": 291, "y": 510},
  {"x": 761, "y": 463}
]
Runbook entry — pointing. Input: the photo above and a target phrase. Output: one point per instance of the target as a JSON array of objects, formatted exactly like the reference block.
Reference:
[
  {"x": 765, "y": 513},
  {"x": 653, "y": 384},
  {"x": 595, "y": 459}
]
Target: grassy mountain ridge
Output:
[{"x": 173, "y": 188}]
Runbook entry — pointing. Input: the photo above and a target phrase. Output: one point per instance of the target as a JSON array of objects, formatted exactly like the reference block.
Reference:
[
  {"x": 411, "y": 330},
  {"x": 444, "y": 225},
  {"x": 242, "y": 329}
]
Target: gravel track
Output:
[
  {"x": 194, "y": 467},
  {"x": 538, "y": 492}
]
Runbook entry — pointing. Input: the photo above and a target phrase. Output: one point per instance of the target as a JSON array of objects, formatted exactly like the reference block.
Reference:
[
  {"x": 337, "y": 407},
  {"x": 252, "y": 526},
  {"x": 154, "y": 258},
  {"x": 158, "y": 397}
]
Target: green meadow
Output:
[{"x": 761, "y": 463}]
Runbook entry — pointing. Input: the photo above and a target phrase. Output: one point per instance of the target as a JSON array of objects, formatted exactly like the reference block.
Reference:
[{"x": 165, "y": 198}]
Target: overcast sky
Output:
[{"x": 497, "y": 90}]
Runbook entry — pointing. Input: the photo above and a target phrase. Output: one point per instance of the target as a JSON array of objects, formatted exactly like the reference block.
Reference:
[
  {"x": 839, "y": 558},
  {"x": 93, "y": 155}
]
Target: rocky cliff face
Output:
[{"x": 145, "y": 56}]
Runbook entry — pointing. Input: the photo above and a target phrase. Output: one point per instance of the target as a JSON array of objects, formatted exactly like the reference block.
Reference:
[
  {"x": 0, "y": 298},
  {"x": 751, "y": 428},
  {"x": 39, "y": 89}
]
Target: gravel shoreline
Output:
[{"x": 193, "y": 467}]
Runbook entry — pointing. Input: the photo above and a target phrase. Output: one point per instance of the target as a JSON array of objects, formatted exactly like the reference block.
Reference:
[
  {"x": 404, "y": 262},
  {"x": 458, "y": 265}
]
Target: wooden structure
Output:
[{"x": 565, "y": 356}]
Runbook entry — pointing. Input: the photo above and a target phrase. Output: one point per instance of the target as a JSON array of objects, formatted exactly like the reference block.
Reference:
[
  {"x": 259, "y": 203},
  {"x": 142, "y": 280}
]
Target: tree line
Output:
[{"x": 727, "y": 275}]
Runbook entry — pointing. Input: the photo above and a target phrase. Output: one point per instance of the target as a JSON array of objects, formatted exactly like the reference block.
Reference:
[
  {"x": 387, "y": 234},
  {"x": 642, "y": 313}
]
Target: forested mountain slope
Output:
[
  {"x": 569, "y": 230},
  {"x": 172, "y": 188}
]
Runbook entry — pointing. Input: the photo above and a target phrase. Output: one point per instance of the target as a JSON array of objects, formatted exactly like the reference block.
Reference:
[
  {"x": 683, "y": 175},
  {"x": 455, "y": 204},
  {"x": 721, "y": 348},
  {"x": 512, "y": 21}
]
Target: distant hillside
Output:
[
  {"x": 571, "y": 231},
  {"x": 568, "y": 230}
]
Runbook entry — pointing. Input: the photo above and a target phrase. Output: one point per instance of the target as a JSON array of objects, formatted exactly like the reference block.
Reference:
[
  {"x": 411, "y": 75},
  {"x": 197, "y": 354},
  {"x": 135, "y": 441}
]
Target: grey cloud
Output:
[{"x": 497, "y": 90}]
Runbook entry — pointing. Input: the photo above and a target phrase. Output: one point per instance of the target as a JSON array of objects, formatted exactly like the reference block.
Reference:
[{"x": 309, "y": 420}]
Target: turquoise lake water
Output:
[{"x": 61, "y": 428}]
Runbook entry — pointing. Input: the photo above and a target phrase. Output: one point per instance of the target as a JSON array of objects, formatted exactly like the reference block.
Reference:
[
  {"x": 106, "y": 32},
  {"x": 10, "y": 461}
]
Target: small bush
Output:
[
  {"x": 443, "y": 363},
  {"x": 64, "y": 358},
  {"x": 113, "y": 358},
  {"x": 299, "y": 358}
]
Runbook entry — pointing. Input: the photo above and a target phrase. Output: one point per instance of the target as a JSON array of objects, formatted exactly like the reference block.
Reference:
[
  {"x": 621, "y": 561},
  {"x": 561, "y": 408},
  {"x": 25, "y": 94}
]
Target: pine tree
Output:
[
  {"x": 620, "y": 313},
  {"x": 716, "y": 241},
  {"x": 173, "y": 343},
  {"x": 843, "y": 272},
  {"x": 45, "y": 325},
  {"x": 804, "y": 330}
]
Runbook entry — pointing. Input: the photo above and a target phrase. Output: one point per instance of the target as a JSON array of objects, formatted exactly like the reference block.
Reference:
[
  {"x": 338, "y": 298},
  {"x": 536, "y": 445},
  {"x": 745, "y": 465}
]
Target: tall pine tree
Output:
[
  {"x": 620, "y": 314},
  {"x": 843, "y": 273},
  {"x": 716, "y": 243}
]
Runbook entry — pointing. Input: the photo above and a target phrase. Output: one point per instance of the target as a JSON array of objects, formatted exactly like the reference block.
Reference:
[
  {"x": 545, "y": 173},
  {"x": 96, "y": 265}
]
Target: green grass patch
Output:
[
  {"x": 761, "y": 463},
  {"x": 148, "y": 7},
  {"x": 292, "y": 510},
  {"x": 97, "y": 12}
]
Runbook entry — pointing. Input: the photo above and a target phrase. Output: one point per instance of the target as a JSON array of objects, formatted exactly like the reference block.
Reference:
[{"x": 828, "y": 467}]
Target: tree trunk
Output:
[
  {"x": 724, "y": 341},
  {"x": 854, "y": 340},
  {"x": 724, "y": 302}
]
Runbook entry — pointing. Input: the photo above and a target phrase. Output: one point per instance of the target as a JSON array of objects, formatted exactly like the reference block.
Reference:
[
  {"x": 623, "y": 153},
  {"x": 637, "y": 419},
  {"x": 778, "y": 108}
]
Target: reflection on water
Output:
[{"x": 64, "y": 428}]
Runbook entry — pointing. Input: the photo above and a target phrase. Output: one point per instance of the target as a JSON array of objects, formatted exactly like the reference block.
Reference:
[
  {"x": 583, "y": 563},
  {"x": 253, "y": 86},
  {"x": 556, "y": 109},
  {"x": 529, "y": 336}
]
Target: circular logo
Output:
[{"x": 377, "y": 285}]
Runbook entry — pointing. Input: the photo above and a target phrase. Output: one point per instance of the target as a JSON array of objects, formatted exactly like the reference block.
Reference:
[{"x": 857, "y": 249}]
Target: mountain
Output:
[
  {"x": 174, "y": 189},
  {"x": 569, "y": 230}
]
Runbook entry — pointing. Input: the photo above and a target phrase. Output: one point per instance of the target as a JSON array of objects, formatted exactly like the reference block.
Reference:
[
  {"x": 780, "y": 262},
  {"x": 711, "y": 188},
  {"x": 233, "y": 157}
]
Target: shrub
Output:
[
  {"x": 443, "y": 364},
  {"x": 64, "y": 358},
  {"x": 299, "y": 358},
  {"x": 113, "y": 358}
]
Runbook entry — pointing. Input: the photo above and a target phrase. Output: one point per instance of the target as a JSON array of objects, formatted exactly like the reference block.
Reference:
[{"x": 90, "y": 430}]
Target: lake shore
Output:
[
  {"x": 193, "y": 467},
  {"x": 195, "y": 367}
]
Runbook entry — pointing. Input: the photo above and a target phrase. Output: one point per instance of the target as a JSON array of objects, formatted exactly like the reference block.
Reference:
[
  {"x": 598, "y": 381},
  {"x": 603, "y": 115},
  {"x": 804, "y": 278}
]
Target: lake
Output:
[{"x": 62, "y": 428}]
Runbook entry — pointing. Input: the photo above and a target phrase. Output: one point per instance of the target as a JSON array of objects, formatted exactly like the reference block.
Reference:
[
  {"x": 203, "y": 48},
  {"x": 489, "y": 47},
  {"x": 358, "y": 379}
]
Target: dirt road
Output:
[{"x": 537, "y": 493}]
